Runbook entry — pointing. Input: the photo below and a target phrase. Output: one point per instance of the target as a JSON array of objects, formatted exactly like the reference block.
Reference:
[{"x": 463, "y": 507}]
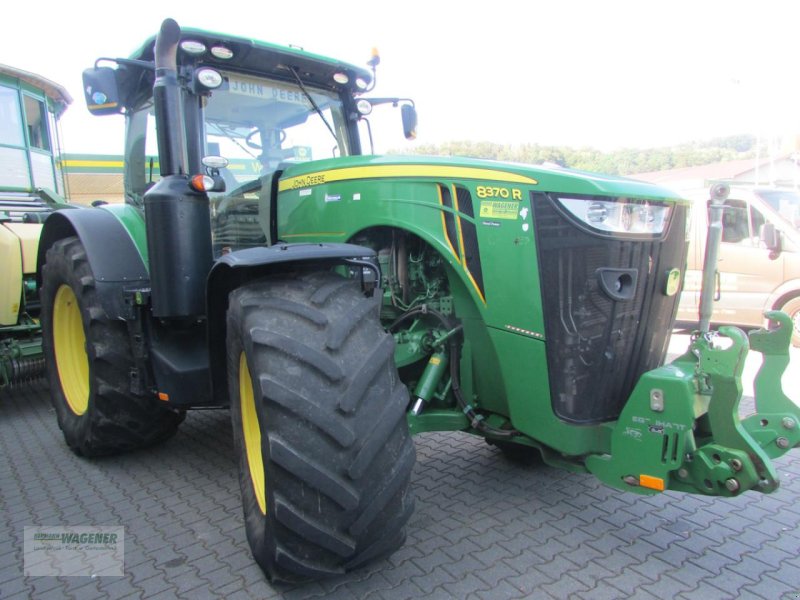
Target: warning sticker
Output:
[{"x": 499, "y": 210}]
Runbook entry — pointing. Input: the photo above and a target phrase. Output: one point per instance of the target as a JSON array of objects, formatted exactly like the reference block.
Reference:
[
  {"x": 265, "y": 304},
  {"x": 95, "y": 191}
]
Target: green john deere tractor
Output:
[
  {"x": 31, "y": 187},
  {"x": 340, "y": 302}
]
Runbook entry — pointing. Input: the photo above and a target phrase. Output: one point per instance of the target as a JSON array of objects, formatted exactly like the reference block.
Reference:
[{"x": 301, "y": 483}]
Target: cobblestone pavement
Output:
[{"x": 483, "y": 527}]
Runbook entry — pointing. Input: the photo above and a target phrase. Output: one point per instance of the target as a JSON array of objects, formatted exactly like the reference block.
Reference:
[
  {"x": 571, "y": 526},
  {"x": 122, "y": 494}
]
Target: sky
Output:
[{"x": 605, "y": 74}]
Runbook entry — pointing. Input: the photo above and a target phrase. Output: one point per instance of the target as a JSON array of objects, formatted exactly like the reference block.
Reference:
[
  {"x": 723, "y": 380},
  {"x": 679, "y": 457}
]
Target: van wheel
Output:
[
  {"x": 792, "y": 308},
  {"x": 318, "y": 413}
]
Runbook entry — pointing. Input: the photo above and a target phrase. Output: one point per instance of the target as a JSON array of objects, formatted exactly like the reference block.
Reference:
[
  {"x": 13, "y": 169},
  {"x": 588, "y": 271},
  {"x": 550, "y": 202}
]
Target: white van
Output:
[{"x": 759, "y": 258}]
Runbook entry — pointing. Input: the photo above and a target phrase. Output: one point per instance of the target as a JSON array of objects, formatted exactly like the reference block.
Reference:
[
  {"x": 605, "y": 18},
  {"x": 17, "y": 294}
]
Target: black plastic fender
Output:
[
  {"x": 113, "y": 257},
  {"x": 243, "y": 266}
]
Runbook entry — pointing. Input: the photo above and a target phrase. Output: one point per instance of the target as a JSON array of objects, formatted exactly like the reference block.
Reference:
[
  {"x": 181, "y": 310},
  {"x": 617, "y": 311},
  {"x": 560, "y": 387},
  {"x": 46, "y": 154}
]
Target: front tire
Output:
[
  {"x": 88, "y": 362},
  {"x": 318, "y": 411}
]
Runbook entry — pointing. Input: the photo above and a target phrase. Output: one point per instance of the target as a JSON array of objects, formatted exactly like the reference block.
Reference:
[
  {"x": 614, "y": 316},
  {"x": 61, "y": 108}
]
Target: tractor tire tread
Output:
[
  {"x": 337, "y": 452},
  {"x": 115, "y": 421}
]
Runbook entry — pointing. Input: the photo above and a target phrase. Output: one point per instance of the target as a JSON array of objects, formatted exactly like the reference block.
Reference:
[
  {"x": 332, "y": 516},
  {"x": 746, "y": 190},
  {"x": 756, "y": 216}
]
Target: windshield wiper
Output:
[{"x": 313, "y": 103}]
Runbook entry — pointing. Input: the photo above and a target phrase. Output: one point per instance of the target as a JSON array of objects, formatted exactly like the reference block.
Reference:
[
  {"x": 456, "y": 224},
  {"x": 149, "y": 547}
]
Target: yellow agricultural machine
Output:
[{"x": 31, "y": 187}]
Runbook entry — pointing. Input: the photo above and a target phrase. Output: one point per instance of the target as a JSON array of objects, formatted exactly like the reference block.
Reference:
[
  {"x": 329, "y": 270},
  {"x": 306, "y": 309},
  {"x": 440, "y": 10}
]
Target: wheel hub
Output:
[
  {"x": 69, "y": 344},
  {"x": 252, "y": 434}
]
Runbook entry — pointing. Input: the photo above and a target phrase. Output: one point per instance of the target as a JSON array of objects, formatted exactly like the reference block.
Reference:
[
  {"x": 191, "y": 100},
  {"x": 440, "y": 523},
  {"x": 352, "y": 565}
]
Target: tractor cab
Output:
[
  {"x": 30, "y": 106},
  {"x": 258, "y": 106}
]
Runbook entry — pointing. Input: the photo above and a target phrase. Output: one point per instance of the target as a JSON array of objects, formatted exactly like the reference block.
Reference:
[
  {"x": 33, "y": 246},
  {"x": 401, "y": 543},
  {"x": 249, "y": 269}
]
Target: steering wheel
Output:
[
  {"x": 249, "y": 139},
  {"x": 281, "y": 137}
]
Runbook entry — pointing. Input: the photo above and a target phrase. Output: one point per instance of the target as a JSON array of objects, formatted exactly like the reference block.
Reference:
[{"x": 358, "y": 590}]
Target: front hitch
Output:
[
  {"x": 776, "y": 424},
  {"x": 681, "y": 429}
]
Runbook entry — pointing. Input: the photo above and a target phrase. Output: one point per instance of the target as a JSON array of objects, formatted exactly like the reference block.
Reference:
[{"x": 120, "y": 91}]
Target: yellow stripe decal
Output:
[
  {"x": 381, "y": 171},
  {"x": 92, "y": 163},
  {"x": 461, "y": 245},
  {"x": 444, "y": 225},
  {"x": 454, "y": 191},
  {"x": 475, "y": 285}
]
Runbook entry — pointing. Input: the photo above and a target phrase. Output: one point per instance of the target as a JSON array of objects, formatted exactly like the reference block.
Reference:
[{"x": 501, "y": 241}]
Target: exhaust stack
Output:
[
  {"x": 177, "y": 217},
  {"x": 166, "y": 101}
]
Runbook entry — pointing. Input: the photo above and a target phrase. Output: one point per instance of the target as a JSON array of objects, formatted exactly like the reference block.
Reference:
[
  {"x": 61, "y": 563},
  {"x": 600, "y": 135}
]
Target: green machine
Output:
[
  {"x": 31, "y": 187},
  {"x": 339, "y": 302}
]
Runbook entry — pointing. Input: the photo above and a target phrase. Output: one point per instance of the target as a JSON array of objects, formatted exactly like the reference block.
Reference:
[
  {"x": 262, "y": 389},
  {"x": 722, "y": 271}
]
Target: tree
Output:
[{"x": 624, "y": 161}]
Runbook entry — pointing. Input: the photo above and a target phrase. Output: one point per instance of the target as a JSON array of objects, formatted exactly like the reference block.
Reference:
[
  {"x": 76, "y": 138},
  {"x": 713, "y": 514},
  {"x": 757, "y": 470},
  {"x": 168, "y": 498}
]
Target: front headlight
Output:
[{"x": 618, "y": 215}]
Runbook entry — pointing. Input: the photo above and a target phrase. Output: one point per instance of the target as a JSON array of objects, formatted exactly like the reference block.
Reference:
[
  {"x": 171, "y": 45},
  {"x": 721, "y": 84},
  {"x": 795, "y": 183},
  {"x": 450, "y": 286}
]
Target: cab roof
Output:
[{"x": 257, "y": 57}]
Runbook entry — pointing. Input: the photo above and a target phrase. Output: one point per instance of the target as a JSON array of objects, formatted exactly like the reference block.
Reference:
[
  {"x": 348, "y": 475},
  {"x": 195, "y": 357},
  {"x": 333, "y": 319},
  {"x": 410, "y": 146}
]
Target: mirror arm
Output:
[{"x": 392, "y": 101}]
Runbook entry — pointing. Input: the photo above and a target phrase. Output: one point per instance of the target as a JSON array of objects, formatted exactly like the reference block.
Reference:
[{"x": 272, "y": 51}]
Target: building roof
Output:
[{"x": 721, "y": 170}]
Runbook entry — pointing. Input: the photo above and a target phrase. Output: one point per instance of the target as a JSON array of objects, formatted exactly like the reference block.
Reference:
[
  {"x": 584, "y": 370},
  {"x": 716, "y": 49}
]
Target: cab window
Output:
[
  {"x": 26, "y": 151},
  {"x": 36, "y": 123}
]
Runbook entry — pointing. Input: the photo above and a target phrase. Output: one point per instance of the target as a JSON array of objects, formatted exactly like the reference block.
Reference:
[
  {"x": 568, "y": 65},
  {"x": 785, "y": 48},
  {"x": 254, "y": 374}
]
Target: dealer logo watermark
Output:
[{"x": 74, "y": 551}]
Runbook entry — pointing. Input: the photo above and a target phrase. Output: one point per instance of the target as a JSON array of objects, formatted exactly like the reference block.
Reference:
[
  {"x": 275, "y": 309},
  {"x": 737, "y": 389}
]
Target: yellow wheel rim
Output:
[
  {"x": 69, "y": 344},
  {"x": 252, "y": 434}
]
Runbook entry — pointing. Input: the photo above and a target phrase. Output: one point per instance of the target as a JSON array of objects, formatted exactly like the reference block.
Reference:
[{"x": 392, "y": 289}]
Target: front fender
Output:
[
  {"x": 238, "y": 268},
  {"x": 111, "y": 252}
]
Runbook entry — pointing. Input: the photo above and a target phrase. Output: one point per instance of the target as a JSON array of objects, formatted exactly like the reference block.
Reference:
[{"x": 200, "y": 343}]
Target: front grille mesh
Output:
[{"x": 597, "y": 348}]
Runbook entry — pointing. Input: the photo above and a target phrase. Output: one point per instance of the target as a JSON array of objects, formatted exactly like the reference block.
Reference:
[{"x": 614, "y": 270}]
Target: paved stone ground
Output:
[{"x": 483, "y": 527}]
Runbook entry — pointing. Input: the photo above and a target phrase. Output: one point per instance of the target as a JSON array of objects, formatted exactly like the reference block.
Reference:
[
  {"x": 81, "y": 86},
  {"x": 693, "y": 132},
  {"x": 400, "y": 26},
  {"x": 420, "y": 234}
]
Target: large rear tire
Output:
[
  {"x": 88, "y": 363},
  {"x": 318, "y": 411}
]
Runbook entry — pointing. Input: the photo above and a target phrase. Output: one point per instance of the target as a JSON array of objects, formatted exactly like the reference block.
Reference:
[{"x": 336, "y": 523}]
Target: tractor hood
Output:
[{"x": 305, "y": 175}]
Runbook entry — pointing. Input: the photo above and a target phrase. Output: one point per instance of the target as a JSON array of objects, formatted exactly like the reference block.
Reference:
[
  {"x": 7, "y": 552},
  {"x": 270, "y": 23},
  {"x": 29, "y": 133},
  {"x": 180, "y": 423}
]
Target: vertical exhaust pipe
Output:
[
  {"x": 177, "y": 217},
  {"x": 167, "y": 102}
]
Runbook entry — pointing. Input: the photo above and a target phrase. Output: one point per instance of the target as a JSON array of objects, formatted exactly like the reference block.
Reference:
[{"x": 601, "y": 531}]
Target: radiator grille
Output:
[{"x": 597, "y": 348}]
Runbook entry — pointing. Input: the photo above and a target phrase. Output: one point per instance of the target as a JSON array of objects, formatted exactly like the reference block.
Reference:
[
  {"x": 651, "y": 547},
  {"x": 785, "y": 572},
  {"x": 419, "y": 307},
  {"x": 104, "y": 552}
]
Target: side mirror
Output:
[
  {"x": 102, "y": 91},
  {"x": 771, "y": 237},
  {"x": 409, "y": 115}
]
